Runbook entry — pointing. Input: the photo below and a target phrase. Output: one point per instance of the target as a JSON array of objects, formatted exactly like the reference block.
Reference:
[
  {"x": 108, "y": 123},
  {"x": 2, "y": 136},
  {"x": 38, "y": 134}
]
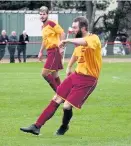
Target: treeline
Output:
[{"x": 17, "y": 5}]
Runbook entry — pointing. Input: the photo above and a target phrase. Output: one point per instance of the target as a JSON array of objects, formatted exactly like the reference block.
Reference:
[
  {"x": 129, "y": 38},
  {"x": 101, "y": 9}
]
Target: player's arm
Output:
[
  {"x": 62, "y": 36},
  {"x": 40, "y": 55},
  {"x": 70, "y": 65},
  {"x": 42, "y": 47},
  {"x": 59, "y": 30},
  {"x": 76, "y": 41}
]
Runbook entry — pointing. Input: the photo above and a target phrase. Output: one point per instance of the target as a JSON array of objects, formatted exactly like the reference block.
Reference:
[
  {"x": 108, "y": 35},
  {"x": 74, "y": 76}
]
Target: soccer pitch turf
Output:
[{"x": 105, "y": 119}]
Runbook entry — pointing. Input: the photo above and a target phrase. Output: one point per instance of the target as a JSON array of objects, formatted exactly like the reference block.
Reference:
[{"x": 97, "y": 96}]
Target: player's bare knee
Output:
[
  {"x": 55, "y": 74},
  {"x": 67, "y": 105},
  {"x": 57, "y": 99},
  {"x": 45, "y": 73}
]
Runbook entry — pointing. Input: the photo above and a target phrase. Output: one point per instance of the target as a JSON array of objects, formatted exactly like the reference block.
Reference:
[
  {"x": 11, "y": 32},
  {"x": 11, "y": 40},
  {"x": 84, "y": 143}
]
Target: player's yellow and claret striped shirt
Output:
[
  {"x": 89, "y": 59},
  {"x": 51, "y": 34}
]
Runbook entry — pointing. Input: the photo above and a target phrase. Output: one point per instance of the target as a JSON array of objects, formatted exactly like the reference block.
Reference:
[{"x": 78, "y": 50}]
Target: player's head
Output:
[
  {"x": 80, "y": 26},
  {"x": 44, "y": 11}
]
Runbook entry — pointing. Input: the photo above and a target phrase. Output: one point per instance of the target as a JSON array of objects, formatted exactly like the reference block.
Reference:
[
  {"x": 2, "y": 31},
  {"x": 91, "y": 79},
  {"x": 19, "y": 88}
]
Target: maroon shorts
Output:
[
  {"x": 76, "y": 88},
  {"x": 53, "y": 61}
]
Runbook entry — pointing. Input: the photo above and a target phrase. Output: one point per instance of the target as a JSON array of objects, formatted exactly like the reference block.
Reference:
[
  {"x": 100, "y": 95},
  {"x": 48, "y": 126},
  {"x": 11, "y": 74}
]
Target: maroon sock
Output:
[
  {"x": 51, "y": 80},
  {"x": 58, "y": 81},
  {"x": 47, "y": 113}
]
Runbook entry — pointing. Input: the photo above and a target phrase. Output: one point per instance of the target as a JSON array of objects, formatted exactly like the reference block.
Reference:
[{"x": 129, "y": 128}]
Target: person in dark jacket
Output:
[
  {"x": 3, "y": 43},
  {"x": 13, "y": 41},
  {"x": 23, "y": 40}
]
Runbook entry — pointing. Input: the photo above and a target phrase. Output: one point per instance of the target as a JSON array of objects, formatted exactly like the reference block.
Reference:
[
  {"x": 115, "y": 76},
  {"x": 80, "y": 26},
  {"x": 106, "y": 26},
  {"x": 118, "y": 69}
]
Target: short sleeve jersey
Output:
[
  {"x": 51, "y": 34},
  {"x": 89, "y": 59}
]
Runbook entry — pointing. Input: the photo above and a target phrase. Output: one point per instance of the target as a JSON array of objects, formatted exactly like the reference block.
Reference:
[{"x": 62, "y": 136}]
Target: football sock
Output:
[
  {"x": 51, "y": 80},
  {"x": 47, "y": 113},
  {"x": 58, "y": 81},
  {"x": 66, "y": 117}
]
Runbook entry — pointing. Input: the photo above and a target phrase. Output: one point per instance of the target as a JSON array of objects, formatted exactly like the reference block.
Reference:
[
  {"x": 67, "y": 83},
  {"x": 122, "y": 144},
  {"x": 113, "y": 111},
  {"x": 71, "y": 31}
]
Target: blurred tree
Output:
[
  {"x": 79, "y": 5},
  {"x": 17, "y": 5},
  {"x": 86, "y": 6},
  {"x": 114, "y": 21},
  {"x": 90, "y": 14}
]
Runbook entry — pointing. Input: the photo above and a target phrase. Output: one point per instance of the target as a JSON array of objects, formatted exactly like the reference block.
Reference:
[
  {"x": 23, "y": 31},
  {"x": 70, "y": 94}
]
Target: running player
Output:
[{"x": 76, "y": 88}]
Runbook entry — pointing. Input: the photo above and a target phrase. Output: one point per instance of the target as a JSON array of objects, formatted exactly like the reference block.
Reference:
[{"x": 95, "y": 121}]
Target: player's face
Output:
[
  {"x": 43, "y": 16},
  {"x": 76, "y": 30}
]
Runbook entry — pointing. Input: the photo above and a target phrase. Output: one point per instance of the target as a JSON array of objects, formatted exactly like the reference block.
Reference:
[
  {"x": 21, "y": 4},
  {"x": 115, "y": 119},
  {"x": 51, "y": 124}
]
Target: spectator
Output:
[
  {"x": 23, "y": 40},
  {"x": 123, "y": 35},
  {"x": 123, "y": 39},
  {"x": 3, "y": 42},
  {"x": 12, "y": 46}
]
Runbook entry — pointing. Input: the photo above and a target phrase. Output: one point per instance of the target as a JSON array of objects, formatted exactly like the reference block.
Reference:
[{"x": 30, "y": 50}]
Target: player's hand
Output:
[
  {"x": 40, "y": 56},
  {"x": 68, "y": 71},
  {"x": 62, "y": 44}
]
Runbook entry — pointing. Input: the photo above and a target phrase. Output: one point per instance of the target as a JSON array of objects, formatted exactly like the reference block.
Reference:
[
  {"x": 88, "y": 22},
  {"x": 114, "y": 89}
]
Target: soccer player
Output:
[
  {"x": 76, "y": 88},
  {"x": 52, "y": 33}
]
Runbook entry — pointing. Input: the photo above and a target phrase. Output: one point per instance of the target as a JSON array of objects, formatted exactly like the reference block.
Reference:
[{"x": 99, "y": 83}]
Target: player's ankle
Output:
[
  {"x": 64, "y": 126},
  {"x": 37, "y": 126}
]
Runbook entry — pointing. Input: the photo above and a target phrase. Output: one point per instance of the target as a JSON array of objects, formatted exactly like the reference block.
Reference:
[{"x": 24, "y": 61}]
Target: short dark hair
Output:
[
  {"x": 83, "y": 21},
  {"x": 44, "y": 9}
]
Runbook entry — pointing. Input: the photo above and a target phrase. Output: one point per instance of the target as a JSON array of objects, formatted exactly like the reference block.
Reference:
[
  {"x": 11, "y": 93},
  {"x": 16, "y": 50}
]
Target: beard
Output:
[{"x": 79, "y": 34}]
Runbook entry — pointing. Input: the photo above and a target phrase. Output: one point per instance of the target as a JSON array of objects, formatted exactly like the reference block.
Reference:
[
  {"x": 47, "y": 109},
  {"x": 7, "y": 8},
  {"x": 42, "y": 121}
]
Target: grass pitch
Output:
[{"x": 105, "y": 119}]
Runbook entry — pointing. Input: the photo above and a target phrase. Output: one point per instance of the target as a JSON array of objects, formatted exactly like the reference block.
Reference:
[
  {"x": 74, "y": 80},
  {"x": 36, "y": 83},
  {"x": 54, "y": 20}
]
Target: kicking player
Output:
[
  {"x": 52, "y": 34},
  {"x": 76, "y": 88}
]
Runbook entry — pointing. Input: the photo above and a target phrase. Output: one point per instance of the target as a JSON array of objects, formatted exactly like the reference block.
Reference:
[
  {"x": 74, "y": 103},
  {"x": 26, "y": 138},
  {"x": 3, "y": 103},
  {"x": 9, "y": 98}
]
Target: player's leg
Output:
[
  {"x": 49, "y": 78},
  {"x": 56, "y": 76},
  {"x": 67, "y": 85},
  {"x": 59, "y": 66},
  {"x": 67, "y": 115},
  {"x": 47, "y": 113},
  {"x": 83, "y": 86},
  {"x": 56, "y": 101},
  {"x": 51, "y": 67}
]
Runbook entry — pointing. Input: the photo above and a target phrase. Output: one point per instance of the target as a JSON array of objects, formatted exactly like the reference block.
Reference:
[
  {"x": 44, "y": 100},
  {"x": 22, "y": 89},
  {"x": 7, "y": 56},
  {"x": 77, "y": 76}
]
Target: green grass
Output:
[
  {"x": 105, "y": 119},
  {"x": 118, "y": 56}
]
